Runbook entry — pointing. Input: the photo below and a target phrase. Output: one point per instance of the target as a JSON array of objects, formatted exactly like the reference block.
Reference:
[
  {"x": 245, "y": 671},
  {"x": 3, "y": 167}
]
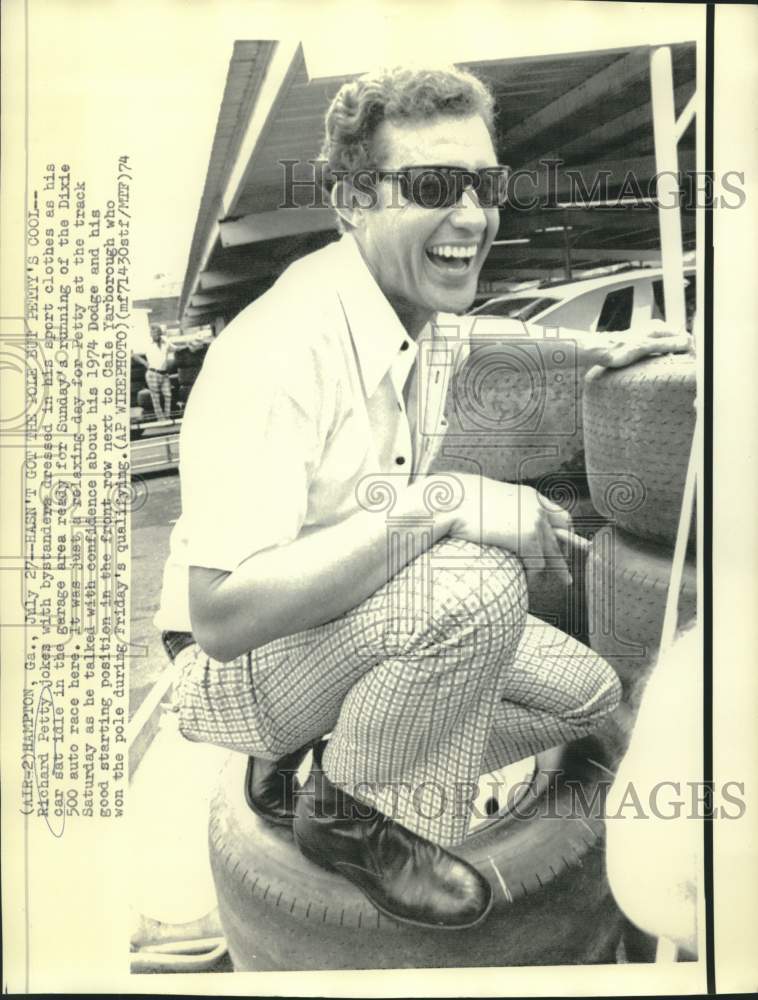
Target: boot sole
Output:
[{"x": 317, "y": 859}]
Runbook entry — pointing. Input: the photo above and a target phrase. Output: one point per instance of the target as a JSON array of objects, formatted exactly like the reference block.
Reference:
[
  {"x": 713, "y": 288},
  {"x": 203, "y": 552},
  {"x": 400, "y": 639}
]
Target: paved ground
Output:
[{"x": 151, "y": 526}]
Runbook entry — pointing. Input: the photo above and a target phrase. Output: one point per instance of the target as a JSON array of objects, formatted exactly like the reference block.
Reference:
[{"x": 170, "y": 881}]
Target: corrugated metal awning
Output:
[{"x": 590, "y": 109}]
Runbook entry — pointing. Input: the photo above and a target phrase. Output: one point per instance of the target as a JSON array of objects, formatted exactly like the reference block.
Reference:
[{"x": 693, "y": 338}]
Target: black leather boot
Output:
[
  {"x": 405, "y": 876},
  {"x": 270, "y": 786}
]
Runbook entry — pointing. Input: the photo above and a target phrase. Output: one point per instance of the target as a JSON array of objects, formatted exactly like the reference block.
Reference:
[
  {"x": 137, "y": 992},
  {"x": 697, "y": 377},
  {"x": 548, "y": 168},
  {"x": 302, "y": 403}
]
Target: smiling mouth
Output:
[{"x": 452, "y": 258}]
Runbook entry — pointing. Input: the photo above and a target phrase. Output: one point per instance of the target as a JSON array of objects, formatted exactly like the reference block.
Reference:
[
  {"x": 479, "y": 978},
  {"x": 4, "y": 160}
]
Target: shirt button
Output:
[
  {"x": 400, "y": 460},
  {"x": 404, "y": 346}
]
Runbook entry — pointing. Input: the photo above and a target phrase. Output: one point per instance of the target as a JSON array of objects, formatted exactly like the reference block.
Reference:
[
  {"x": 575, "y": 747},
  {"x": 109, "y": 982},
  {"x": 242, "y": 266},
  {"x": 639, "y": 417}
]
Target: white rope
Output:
[{"x": 670, "y": 616}]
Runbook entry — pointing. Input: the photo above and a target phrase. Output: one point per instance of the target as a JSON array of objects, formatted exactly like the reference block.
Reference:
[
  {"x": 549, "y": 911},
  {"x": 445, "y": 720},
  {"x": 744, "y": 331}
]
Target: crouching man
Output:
[{"x": 289, "y": 615}]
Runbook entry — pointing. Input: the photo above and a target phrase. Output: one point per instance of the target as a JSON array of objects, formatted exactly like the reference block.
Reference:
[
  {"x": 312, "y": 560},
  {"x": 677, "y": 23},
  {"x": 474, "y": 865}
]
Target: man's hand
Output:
[
  {"x": 615, "y": 350},
  {"x": 516, "y": 518}
]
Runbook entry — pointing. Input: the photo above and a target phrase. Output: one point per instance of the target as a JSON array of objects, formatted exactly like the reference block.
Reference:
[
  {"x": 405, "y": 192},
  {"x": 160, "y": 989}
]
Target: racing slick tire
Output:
[
  {"x": 514, "y": 407},
  {"x": 627, "y": 584},
  {"x": 544, "y": 861},
  {"x": 638, "y": 427}
]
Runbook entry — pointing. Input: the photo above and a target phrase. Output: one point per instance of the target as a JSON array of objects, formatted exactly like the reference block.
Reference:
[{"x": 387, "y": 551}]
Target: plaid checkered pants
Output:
[
  {"x": 159, "y": 384},
  {"x": 436, "y": 678}
]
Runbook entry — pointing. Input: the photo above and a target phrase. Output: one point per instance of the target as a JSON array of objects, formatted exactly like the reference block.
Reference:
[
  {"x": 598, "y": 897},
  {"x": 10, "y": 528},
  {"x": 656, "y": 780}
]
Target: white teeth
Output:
[{"x": 448, "y": 250}]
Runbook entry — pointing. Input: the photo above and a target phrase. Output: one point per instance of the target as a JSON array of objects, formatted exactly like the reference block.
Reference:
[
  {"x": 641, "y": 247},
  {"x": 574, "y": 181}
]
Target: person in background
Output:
[{"x": 156, "y": 359}]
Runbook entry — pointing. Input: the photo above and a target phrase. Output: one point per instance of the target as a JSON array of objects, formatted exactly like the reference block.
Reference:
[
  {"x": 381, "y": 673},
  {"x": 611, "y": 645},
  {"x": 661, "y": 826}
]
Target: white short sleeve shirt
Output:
[
  {"x": 301, "y": 398},
  {"x": 157, "y": 355}
]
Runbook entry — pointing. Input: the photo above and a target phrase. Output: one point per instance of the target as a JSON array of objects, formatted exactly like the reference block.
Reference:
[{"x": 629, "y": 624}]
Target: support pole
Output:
[
  {"x": 566, "y": 249},
  {"x": 665, "y": 133},
  {"x": 670, "y": 617}
]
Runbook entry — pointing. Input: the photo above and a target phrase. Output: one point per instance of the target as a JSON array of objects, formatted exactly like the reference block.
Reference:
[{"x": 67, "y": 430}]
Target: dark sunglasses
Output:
[{"x": 443, "y": 187}]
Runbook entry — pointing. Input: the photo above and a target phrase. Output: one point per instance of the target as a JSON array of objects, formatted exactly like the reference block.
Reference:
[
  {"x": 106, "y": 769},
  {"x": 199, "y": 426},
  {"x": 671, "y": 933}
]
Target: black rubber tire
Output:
[
  {"x": 552, "y": 904},
  {"x": 514, "y": 410},
  {"x": 638, "y": 427},
  {"x": 627, "y": 584}
]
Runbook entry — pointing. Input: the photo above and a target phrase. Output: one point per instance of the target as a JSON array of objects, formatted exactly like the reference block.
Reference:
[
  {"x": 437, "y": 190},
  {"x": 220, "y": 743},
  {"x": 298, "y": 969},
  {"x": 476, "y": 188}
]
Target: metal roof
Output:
[
  {"x": 590, "y": 109},
  {"x": 246, "y": 69}
]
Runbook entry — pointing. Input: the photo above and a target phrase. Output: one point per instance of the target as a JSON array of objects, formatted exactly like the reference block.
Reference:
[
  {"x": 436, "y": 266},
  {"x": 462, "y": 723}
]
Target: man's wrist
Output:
[{"x": 443, "y": 497}]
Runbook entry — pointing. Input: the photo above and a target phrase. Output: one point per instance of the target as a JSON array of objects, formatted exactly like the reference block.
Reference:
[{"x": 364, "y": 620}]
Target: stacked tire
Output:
[
  {"x": 514, "y": 406},
  {"x": 551, "y": 902},
  {"x": 638, "y": 426},
  {"x": 514, "y": 414}
]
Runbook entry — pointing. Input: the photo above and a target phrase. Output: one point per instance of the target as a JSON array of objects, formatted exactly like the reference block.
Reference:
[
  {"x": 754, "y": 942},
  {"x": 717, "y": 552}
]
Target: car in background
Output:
[{"x": 620, "y": 301}]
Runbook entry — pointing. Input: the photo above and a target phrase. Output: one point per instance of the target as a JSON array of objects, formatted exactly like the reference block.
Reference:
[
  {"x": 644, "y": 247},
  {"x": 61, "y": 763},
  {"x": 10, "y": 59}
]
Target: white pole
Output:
[
  {"x": 671, "y": 614},
  {"x": 665, "y": 133}
]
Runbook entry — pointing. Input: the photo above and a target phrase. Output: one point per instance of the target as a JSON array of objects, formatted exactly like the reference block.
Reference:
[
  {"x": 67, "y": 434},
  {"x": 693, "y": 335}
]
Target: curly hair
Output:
[{"x": 398, "y": 95}]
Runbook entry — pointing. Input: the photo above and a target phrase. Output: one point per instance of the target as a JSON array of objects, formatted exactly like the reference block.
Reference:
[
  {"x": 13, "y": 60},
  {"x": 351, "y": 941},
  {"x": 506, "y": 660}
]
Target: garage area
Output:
[{"x": 583, "y": 123}]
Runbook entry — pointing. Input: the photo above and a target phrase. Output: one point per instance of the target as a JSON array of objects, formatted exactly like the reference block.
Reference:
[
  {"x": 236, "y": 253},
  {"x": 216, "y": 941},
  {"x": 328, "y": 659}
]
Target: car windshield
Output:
[{"x": 523, "y": 307}]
